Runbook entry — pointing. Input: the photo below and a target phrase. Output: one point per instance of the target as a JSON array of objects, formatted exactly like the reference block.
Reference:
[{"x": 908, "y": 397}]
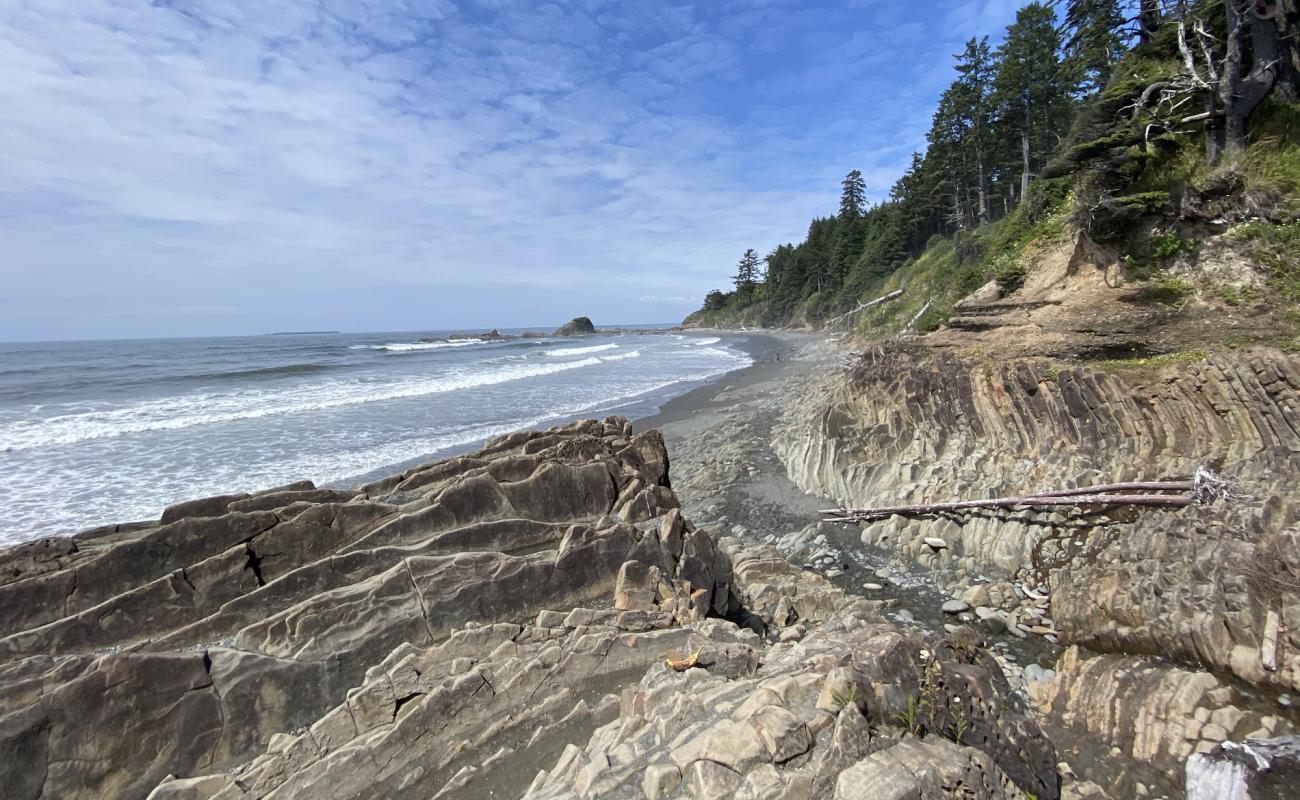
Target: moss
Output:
[{"x": 1144, "y": 202}]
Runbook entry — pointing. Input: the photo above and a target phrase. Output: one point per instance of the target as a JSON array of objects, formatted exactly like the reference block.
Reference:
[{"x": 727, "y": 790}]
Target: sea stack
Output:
[{"x": 578, "y": 326}]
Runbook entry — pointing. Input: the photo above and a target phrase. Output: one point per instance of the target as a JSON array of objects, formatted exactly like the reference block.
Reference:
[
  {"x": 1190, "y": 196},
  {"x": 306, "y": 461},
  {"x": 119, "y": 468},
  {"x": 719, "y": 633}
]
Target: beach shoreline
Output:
[{"x": 765, "y": 349}]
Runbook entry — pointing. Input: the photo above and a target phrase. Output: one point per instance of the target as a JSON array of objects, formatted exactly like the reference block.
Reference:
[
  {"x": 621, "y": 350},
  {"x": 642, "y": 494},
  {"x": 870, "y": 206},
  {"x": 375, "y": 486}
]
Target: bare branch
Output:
[
  {"x": 1189, "y": 61},
  {"x": 918, "y": 315},
  {"x": 1205, "y": 488},
  {"x": 864, "y": 306}
]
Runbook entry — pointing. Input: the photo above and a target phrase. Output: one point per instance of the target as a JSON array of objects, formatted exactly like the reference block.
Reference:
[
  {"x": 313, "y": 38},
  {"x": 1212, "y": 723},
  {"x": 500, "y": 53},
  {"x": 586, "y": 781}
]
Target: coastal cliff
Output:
[{"x": 1178, "y": 629}]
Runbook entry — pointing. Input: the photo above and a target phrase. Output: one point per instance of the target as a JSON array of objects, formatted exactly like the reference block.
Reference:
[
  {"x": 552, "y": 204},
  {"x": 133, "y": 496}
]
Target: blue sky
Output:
[{"x": 200, "y": 167}]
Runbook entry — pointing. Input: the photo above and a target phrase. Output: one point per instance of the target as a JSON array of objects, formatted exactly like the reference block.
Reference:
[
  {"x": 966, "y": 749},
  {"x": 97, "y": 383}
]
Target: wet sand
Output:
[{"x": 731, "y": 483}]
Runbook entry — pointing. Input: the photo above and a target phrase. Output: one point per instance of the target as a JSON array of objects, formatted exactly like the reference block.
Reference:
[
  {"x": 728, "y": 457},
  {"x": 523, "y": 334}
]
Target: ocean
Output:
[{"x": 101, "y": 432}]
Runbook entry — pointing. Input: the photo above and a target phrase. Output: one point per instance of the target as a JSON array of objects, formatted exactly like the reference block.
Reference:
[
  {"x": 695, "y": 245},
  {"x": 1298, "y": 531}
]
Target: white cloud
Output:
[{"x": 213, "y": 153}]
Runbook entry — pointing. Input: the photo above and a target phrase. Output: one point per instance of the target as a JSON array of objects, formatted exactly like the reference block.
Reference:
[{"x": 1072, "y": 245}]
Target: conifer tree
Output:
[
  {"x": 975, "y": 68},
  {"x": 746, "y": 270},
  {"x": 1030, "y": 88},
  {"x": 1095, "y": 42},
  {"x": 853, "y": 199}
]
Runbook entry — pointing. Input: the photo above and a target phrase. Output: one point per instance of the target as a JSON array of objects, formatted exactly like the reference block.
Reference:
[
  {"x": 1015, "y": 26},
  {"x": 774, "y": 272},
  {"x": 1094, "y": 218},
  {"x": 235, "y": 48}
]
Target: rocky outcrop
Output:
[
  {"x": 449, "y": 632},
  {"x": 1215, "y": 589},
  {"x": 578, "y": 326}
]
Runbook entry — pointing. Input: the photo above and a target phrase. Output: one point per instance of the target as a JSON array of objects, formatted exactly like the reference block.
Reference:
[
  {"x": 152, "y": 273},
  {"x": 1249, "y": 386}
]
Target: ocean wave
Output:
[
  {"x": 621, "y": 356},
  {"x": 706, "y": 341},
  {"x": 575, "y": 351},
  {"x": 245, "y": 374},
  {"x": 407, "y": 347},
  {"x": 187, "y": 411}
]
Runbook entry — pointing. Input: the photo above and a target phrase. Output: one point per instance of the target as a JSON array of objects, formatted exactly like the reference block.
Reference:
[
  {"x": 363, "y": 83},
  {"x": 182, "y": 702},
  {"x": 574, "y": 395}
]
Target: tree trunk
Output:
[
  {"x": 1287, "y": 19},
  {"x": 1148, "y": 20},
  {"x": 982, "y": 187},
  {"x": 1240, "y": 95},
  {"x": 1024, "y": 154}
]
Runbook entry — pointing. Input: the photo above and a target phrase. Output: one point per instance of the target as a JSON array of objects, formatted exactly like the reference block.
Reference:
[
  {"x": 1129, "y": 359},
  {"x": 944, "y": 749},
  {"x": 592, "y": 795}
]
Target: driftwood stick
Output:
[
  {"x": 863, "y": 514},
  {"x": 1139, "y": 486},
  {"x": 864, "y": 306},
  {"x": 918, "y": 315}
]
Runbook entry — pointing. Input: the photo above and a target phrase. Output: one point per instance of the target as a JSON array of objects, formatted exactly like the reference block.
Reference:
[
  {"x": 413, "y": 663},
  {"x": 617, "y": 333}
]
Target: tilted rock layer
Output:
[
  {"x": 448, "y": 632},
  {"x": 1215, "y": 589}
]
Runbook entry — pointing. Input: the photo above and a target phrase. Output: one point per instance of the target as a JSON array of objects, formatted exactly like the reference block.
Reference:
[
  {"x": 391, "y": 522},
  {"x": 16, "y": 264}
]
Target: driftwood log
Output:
[
  {"x": 1204, "y": 488},
  {"x": 864, "y": 306}
]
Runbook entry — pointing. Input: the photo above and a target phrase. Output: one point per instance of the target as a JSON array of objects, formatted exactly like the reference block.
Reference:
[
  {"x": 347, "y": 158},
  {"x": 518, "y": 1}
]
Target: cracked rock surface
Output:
[{"x": 536, "y": 619}]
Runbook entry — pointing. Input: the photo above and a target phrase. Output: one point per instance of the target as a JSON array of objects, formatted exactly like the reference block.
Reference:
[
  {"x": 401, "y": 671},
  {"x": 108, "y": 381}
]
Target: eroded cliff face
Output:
[
  {"x": 496, "y": 625},
  {"x": 1184, "y": 626}
]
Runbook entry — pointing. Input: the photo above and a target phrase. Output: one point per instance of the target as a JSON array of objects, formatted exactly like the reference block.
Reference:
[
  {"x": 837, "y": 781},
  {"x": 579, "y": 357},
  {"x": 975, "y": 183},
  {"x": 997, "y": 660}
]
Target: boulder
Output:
[{"x": 578, "y": 326}]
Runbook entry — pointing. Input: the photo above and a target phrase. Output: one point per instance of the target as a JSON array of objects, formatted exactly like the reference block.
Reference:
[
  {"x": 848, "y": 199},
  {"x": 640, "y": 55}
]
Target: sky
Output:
[{"x": 212, "y": 167}]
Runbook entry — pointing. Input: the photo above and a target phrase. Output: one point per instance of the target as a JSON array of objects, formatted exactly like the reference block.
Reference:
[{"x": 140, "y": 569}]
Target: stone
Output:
[
  {"x": 954, "y": 607},
  {"x": 838, "y": 689},
  {"x": 935, "y": 543},
  {"x": 660, "y": 780},
  {"x": 578, "y": 326},
  {"x": 782, "y": 733},
  {"x": 735, "y": 745},
  {"x": 636, "y": 587},
  {"x": 707, "y": 780}
]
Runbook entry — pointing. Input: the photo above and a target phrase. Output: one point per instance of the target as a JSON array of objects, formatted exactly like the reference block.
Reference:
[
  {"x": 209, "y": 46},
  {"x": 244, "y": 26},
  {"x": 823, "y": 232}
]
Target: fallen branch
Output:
[
  {"x": 864, "y": 306},
  {"x": 1205, "y": 488},
  {"x": 867, "y": 514},
  {"x": 917, "y": 316}
]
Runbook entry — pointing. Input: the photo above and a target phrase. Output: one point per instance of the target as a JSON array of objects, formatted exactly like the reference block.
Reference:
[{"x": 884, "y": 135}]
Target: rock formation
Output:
[
  {"x": 491, "y": 625},
  {"x": 1183, "y": 626},
  {"x": 578, "y": 326}
]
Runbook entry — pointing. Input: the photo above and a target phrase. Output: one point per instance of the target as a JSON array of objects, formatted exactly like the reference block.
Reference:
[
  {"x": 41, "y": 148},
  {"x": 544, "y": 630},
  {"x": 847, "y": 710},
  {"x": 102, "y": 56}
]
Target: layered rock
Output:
[
  {"x": 238, "y": 617},
  {"x": 1215, "y": 589},
  {"x": 448, "y": 632}
]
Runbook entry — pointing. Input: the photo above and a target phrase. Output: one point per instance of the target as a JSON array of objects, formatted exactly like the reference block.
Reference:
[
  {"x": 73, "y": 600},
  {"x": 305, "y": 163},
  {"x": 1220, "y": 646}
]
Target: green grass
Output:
[
  {"x": 1272, "y": 160},
  {"x": 1276, "y": 248},
  {"x": 1166, "y": 290},
  {"x": 1152, "y": 362},
  {"x": 936, "y": 277}
]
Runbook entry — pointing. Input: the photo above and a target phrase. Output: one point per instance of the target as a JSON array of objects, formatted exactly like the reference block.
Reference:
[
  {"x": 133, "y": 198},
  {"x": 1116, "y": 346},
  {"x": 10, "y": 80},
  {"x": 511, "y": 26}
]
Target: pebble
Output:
[
  {"x": 955, "y": 607},
  {"x": 872, "y": 587},
  {"x": 883, "y": 572},
  {"x": 834, "y": 573},
  {"x": 935, "y": 542},
  {"x": 906, "y": 615},
  {"x": 1036, "y": 674}
]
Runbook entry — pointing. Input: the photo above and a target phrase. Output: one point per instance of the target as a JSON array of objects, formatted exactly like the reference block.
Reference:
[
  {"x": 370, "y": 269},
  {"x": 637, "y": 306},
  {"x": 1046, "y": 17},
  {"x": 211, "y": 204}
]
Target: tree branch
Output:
[
  {"x": 1203, "y": 489},
  {"x": 864, "y": 306}
]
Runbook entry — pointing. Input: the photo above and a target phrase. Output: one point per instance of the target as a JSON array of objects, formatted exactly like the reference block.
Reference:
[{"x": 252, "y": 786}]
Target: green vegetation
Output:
[
  {"x": 1277, "y": 249},
  {"x": 1063, "y": 127},
  {"x": 1165, "y": 289},
  {"x": 1152, "y": 362}
]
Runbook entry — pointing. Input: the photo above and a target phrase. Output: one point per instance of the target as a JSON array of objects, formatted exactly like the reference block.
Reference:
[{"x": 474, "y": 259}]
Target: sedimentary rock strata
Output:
[
  {"x": 1215, "y": 590},
  {"x": 535, "y": 619}
]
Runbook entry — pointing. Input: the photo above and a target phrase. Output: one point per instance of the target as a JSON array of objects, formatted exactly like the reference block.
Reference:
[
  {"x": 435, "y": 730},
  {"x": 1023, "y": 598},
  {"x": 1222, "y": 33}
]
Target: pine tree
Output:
[
  {"x": 1030, "y": 88},
  {"x": 746, "y": 270},
  {"x": 1096, "y": 41},
  {"x": 975, "y": 68},
  {"x": 853, "y": 199}
]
